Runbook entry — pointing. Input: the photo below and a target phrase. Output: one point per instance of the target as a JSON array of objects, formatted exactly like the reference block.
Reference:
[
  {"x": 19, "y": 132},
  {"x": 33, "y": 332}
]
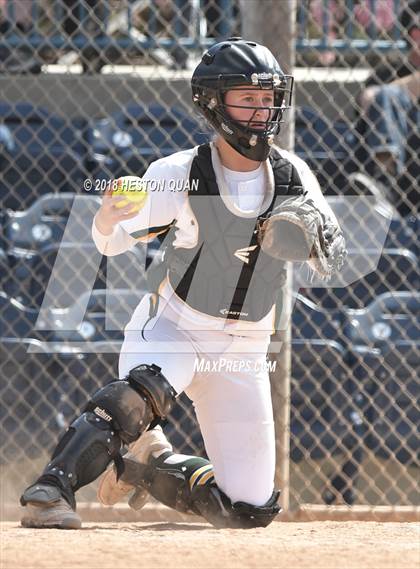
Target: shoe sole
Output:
[
  {"x": 37, "y": 524},
  {"x": 67, "y": 523},
  {"x": 57, "y": 515}
]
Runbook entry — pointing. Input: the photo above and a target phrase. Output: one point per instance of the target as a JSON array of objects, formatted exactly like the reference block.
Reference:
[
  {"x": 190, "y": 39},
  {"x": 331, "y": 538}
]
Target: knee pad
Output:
[
  {"x": 127, "y": 411},
  {"x": 132, "y": 404},
  {"x": 149, "y": 381},
  {"x": 218, "y": 509}
]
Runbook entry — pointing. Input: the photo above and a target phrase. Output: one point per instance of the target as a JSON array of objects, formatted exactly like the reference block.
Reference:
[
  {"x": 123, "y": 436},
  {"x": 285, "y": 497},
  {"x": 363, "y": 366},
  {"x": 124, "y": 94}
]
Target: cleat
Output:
[
  {"x": 46, "y": 508},
  {"x": 111, "y": 491}
]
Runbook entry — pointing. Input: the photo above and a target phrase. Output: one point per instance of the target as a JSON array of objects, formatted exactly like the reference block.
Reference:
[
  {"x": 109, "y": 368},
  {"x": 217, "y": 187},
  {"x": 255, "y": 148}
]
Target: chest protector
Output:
[{"x": 226, "y": 274}]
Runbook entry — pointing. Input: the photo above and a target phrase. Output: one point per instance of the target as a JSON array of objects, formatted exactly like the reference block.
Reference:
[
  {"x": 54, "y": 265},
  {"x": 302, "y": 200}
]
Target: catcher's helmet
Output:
[{"x": 235, "y": 63}]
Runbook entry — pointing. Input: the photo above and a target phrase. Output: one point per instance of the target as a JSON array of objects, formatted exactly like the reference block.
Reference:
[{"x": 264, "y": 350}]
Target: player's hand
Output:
[{"x": 109, "y": 215}]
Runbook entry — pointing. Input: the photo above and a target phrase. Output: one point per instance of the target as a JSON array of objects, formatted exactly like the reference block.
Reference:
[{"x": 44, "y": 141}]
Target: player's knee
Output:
[
  {"x": 218, "y": 509},
  {"x": 130, "y": 405}
]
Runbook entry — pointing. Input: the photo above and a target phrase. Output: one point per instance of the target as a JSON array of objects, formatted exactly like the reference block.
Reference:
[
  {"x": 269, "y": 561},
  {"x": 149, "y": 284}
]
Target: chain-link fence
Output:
[{"x": 92, "y": 90}]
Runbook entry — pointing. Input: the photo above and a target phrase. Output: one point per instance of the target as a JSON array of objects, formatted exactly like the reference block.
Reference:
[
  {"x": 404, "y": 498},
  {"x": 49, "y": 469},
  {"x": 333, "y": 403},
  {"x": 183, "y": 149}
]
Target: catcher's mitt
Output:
[{"x": 296, "y": 230}]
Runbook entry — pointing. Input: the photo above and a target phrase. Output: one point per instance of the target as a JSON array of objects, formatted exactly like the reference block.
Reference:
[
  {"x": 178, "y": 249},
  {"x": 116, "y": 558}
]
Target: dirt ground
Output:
[{"x": 140, "y": 545}]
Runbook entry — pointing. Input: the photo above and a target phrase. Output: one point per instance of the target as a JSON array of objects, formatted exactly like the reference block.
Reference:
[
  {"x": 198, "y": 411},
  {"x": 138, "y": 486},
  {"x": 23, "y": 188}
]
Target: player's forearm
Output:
[{"x": 113, "y": 243}]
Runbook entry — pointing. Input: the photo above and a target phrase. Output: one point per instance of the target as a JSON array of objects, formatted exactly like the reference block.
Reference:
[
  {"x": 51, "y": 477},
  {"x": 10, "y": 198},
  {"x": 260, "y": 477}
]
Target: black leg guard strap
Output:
[{"x": 217, "y": 509}]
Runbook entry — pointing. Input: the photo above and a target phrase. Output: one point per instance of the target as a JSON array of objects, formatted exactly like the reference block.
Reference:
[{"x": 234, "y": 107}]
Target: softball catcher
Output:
[{"x": 255, "y": 207}]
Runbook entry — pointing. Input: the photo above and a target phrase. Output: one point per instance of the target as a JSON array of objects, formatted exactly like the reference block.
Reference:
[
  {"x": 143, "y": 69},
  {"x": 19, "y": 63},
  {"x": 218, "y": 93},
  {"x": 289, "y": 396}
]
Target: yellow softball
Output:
[{"x": 133, "y": 190}]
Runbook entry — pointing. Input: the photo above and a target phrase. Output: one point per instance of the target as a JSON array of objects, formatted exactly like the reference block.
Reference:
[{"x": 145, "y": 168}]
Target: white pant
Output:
[{"x": 232, "y": 400}]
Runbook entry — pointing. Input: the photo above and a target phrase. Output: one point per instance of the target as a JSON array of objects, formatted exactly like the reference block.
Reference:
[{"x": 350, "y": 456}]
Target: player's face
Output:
[{"x": 243, "y": 105}]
